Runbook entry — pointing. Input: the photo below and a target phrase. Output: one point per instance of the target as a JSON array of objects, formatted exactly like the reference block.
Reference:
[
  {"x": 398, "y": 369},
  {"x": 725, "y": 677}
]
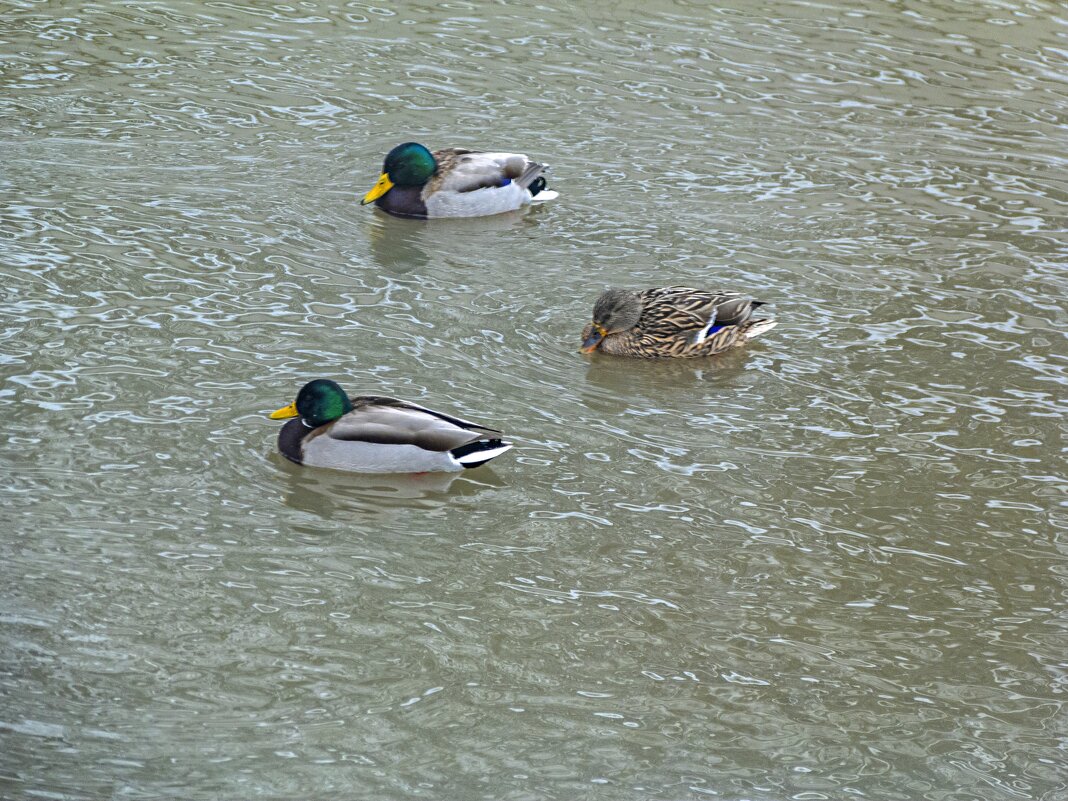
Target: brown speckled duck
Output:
[
  {"x": 455, "y": 182},
  {"x": 671, "y": 322}
]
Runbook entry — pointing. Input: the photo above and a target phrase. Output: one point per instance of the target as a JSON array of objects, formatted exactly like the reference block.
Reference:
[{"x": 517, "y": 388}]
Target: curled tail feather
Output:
[{"x": 530, "y": 177}]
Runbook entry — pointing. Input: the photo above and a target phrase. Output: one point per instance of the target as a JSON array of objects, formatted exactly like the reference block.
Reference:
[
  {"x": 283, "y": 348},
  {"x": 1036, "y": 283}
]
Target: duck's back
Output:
[
  {"x": 467, "y": 170},
  {"x": 390, "y": 421},
  {"x": 683, "y": 322},
  {"x": 472, "y": 183}
]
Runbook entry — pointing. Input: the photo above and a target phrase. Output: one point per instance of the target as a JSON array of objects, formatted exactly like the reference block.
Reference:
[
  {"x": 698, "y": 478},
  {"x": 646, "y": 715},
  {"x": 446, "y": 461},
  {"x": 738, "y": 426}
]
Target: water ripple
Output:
[{"x": 830, "y": 564}]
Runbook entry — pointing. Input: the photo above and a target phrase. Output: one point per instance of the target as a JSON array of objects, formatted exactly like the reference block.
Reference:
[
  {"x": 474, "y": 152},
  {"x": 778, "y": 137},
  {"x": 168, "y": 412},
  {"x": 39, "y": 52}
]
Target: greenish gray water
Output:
[{"x": 830, "y": 566}]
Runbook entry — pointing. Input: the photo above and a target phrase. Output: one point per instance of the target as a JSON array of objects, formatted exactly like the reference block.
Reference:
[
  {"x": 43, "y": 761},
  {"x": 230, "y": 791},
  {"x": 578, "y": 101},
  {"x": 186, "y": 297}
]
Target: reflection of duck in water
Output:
[
  {"x": 378, "y": 494},
  {"x": 671, "y": 322},
  {"x": 395, "y": 244},
  {"x": 374, "y": 434},
  {"x": 656, "y": 374},
  {"x": 660, "y": 383},
  {"x": 401, "y": 245},
  {"x": 455, "y": 182}
]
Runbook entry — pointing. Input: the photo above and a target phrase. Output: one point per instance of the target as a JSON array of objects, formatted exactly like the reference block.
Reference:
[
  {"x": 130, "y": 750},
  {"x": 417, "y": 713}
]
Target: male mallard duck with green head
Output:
[
  {"x": 455, "y": 182},
  {"x": 375, "y": 434},
  {"x": 671, "y": 322}
]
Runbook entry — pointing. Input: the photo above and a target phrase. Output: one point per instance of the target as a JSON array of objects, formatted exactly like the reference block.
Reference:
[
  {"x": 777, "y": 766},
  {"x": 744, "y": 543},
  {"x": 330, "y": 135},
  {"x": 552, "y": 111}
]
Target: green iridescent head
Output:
[
  {"x": 319, "y": 402},
  {"x": 406, "y": 165},
  {"x": 410, "y": 164}
]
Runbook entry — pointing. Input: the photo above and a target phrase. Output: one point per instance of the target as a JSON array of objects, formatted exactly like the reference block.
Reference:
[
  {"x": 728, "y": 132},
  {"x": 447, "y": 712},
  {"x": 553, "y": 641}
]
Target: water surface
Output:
[{"x": 828, "y": 566}]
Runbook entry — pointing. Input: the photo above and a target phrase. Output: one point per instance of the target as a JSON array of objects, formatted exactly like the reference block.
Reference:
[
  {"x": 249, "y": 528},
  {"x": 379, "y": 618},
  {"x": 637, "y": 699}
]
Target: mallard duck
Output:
[
  {"x": 671, "y": 321},
  {"x": 455, "y": 182},
  {"x": 375, "y": 434}
]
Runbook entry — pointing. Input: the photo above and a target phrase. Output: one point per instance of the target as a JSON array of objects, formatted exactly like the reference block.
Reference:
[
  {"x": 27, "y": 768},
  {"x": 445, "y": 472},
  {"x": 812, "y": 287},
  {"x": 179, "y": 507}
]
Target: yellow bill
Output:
[
  {"x": 285, "y": 411},
  {"x": 379, "y": 189}
]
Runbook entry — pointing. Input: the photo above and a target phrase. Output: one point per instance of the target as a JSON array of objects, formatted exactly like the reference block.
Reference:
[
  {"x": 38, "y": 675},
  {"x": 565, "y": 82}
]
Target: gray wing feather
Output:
[
  {"x": 468, "y": 171},
  {"x": 733, "y": 310},
  {"x": 389, "y": 421}
]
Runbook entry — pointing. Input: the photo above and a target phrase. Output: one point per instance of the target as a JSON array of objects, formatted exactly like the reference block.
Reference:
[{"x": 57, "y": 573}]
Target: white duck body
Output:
[
  {"x": 477, "y": 184},
  {"x": 456, "y": 182},
  {"x": 479, "y": 203},
  {"x": 387, "y": 435}
]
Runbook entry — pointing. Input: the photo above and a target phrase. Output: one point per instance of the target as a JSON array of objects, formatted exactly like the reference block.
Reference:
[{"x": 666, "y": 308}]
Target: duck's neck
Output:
[{"x": 290, "y": 438}]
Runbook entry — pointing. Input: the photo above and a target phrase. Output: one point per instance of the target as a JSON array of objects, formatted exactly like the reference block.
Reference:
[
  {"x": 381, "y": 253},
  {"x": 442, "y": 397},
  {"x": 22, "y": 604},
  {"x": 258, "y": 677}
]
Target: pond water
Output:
[{"x": 829, "y": 565}]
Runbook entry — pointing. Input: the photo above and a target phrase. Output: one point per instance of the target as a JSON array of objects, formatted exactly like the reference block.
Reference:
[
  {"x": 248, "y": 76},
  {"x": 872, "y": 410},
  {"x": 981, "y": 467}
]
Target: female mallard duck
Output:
[
  {"x": 373, "y": 434},
  {"x": 455, "y": 182},
  {"x": 672, "y": 321}
]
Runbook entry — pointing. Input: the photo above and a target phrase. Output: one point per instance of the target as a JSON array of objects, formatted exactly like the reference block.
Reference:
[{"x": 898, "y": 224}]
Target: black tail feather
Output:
[
  {"x": 531, "y": 177},
  {"x": 468, "y": 455}
]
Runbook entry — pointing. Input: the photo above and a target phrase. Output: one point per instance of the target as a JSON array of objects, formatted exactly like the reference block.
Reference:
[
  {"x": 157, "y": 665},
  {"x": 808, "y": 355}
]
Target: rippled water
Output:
[{"x": 829, "y": 566}]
